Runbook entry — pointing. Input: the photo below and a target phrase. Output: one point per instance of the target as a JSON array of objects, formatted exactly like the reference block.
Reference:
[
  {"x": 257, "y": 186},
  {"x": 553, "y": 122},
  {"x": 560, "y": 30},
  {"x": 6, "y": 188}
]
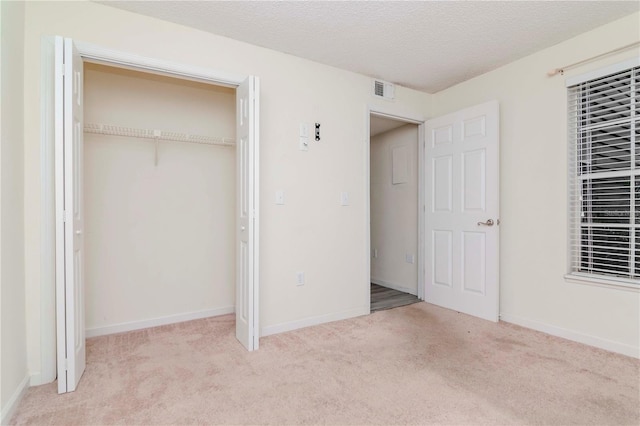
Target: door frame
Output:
[
  {"x": 98, "y": 54},
  {"x": 409, "y": 118}
]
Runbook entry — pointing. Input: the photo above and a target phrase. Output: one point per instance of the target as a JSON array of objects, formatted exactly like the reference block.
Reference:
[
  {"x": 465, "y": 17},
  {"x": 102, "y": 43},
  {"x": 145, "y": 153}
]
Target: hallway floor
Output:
[{"x": 386, "y": 298}]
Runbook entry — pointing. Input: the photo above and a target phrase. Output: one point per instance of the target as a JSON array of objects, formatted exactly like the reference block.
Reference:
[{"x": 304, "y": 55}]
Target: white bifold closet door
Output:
[
  {"x": 69, "y": 216},
  {"x": 247, "y": 102}
]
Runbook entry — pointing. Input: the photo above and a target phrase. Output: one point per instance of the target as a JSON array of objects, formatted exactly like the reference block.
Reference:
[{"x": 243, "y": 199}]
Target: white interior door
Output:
[
  {"x": 462, "y": 189},
  {"x": 247, "y": 104},
  {"x": 69, "y": 216}
]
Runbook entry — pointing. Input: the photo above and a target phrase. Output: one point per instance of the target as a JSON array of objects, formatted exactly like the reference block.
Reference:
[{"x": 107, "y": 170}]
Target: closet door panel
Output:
[
  {"x": 247, "y": 258},
  {"x": 70, "y": 216}
]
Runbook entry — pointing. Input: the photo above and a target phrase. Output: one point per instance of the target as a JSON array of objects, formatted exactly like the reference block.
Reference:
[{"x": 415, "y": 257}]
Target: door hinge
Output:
[
  {"x": 62, "y": 68},
  {"x": 66, "y": 364}
]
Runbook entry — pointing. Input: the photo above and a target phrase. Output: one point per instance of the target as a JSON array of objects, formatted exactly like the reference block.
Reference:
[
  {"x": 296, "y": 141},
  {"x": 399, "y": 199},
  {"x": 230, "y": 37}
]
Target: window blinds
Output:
[{"x": 604, "y": 177}]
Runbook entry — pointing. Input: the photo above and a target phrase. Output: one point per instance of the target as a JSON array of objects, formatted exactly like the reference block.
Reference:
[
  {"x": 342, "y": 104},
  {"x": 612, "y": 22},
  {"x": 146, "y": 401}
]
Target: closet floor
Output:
[{"x": 386, "y": 298}]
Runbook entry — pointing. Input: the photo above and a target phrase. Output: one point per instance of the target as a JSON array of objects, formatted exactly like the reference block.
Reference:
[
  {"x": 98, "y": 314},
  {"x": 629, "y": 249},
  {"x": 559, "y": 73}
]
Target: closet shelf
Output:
[{"x": 163, "y": 135}]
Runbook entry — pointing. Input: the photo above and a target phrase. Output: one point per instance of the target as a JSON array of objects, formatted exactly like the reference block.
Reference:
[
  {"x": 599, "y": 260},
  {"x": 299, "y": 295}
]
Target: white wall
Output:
[
  {"x": 13, "y": 347},
  {"x": 394, "y": 211},
  {"x": 533, "y": 194},
  {"x": 159, "y": 239},
  {"x": 311, "y": 232}
]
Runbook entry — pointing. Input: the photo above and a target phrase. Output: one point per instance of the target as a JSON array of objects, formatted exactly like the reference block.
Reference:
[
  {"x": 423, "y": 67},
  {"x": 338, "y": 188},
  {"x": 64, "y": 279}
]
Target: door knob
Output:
[
  {"x": 487, "y": 223},
  {"x": 242, "y": 228}
]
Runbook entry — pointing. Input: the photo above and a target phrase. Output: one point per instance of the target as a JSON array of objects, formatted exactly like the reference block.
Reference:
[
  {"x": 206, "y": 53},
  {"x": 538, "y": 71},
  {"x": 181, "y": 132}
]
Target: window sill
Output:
[{"x": 618, "y": 284}]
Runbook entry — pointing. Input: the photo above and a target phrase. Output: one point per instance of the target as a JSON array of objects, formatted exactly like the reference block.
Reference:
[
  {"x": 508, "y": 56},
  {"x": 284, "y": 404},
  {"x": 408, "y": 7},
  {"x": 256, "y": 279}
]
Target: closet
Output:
[{"x": 159, "y": 199}]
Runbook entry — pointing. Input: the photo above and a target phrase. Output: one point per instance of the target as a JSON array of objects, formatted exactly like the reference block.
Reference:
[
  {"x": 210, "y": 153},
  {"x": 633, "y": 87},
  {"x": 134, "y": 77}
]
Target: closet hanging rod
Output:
[{"x": 154, "y": 134}]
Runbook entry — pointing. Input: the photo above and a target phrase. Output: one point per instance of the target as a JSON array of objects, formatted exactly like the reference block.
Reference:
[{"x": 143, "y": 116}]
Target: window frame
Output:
[{"x": 584, "y": 277}]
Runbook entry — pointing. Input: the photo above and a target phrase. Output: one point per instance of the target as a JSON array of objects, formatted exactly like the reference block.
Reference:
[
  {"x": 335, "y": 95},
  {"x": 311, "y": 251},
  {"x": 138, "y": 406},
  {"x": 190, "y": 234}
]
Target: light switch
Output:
[
  {"x": 344, "y": 198},
  {"x": 304, "y": 130},
  {"x": 280, "y": 197}
]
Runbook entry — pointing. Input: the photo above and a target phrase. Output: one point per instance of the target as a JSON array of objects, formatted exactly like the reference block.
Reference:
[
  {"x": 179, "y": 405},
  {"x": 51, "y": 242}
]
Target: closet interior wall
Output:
[{"x": 159, "y": 237}]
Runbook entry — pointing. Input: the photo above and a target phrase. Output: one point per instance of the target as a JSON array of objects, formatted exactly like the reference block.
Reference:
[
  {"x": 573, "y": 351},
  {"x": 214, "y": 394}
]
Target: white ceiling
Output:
[{"x": 425, "y": 45}]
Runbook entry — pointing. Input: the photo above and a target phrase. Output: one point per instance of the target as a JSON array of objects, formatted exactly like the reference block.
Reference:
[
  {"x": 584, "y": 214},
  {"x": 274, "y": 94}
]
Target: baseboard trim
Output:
[
  {"x": 393, "y": 286},
  {"x": 575, "y": 336},
  {"x": 170, "y": 319},
  {"x": 35, "y": 379},
  {"x": 12, "y": 404},
  {"x": 308, "y": 322}
]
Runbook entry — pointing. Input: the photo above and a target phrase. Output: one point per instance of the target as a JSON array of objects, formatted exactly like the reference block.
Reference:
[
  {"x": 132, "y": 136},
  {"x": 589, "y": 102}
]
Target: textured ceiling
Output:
[{"x": 427, "y": 45}]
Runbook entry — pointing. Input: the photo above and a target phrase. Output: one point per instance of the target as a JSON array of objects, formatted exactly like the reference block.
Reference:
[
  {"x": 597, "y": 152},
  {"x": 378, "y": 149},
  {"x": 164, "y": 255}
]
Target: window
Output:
[{"x": 604, "y": 178}]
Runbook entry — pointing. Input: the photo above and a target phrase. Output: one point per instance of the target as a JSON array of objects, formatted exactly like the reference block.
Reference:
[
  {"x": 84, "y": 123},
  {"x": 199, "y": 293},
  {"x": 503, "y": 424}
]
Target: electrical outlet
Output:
[
  {"x": 299, "y": 278},
  {"x": 409, "y": 258},
  {"x": 280, "y": 197}
]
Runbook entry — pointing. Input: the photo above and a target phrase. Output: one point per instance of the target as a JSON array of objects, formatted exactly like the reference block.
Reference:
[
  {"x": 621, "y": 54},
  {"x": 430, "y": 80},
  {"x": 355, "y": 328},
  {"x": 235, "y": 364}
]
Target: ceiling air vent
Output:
[{"x": 383, "y": 89}]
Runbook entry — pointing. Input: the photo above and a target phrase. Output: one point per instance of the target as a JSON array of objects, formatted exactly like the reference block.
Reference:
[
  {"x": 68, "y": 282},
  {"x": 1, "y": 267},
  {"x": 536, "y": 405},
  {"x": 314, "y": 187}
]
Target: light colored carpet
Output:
[{"x": 418, "y": 364}]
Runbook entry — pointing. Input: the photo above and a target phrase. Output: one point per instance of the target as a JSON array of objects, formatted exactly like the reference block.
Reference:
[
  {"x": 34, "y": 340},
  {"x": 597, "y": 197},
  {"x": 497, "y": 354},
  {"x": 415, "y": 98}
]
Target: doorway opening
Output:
[
  {"x": 458, "y": 206},
  {"x": 394, "y": 194}
]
